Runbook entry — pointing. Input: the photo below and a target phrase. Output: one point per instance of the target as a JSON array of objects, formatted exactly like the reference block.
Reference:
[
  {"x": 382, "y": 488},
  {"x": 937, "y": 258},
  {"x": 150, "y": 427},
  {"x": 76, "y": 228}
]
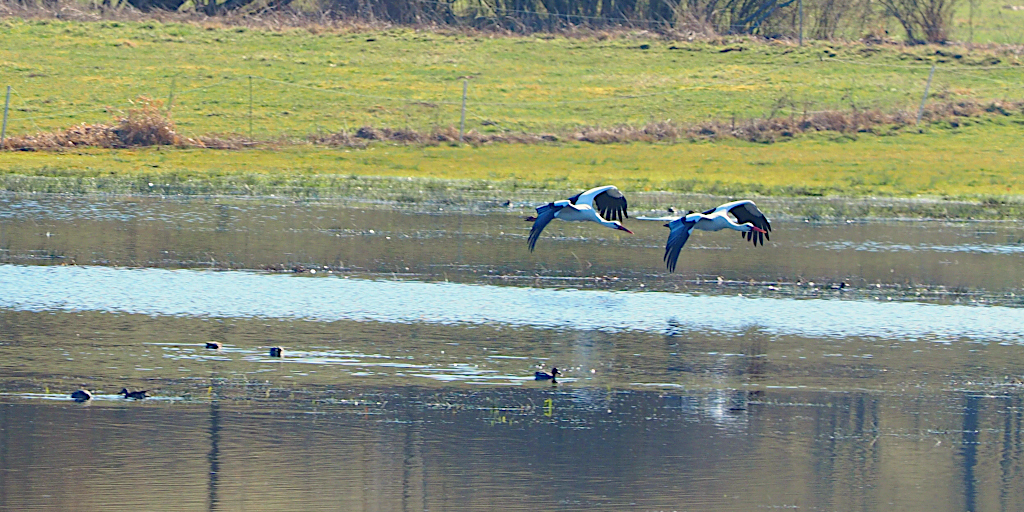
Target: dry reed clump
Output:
[{"x": 144, "y": 125}]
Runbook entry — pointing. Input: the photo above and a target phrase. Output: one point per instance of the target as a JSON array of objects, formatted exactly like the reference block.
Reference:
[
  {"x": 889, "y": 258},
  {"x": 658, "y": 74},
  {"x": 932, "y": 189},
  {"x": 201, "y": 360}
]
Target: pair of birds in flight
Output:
[{"x": 607, "y": 207}]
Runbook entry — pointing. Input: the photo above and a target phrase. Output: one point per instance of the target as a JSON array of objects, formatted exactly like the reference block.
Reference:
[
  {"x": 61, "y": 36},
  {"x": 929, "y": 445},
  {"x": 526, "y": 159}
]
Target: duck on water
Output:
[
  {"x": 547, "y": 376},
  {"x": 137, "y": 395},
  {"x": 82, "y": 395}
]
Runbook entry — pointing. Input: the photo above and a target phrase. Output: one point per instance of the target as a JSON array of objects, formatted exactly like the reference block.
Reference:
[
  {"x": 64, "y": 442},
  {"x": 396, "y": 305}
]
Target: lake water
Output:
[{"x": 842, "y": 366}]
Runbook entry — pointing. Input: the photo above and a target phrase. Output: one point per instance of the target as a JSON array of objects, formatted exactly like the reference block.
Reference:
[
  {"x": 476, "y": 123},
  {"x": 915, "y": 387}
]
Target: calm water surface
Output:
[{"x": 850, "y": 366}]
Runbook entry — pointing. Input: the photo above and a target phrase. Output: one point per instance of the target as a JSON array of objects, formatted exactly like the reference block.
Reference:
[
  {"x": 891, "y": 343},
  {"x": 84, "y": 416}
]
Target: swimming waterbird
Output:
[
  {"x": 82, "y": 395},
  {"x": 137, "y": 395},
  {"x": 546, "y": 375}
]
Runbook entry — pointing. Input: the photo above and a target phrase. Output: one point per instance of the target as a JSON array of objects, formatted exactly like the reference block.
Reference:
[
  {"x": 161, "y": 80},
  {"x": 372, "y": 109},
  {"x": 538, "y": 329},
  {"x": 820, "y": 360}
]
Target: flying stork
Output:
[
  {"x": 603, "y": 205},
  {"x": 750, "y": 222}
]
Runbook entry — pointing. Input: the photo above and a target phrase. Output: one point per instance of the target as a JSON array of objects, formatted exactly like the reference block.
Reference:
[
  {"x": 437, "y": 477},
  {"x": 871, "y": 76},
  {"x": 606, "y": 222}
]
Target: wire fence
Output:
[{"x": 267, "y": 107}]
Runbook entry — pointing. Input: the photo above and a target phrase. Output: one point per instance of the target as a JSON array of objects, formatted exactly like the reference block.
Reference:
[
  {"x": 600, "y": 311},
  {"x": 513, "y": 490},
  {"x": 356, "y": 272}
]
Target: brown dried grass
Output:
[
  {"x": 147, "y": 125},
  {"x": 440, "y": 135},
  {"x": 847, "y": 123},
  {"x": 144, "y": 125},
  {"x": 763, "y": 130}
]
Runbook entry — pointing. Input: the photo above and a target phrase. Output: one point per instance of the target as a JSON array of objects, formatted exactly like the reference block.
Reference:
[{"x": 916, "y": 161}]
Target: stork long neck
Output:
[
  {"x": 727, "y": 222},
  {"x": 586, "y": 213}
]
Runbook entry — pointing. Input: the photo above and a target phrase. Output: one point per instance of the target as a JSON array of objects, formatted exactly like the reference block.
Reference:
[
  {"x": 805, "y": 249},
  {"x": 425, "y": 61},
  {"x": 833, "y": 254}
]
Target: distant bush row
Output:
[
  {"x": 922, "y": 20},
  {"x": 147, "y": 125}
]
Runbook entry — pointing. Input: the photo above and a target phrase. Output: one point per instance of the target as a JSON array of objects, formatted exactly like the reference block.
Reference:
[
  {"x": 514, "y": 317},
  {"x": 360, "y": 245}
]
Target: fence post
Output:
[
  {"x": 250, "y": 108},
  {"x": 170, "y": 98},
  {"x": 3, "y": 131},
  {"x": 462, "y": 122},
  {"x": 920, "y": 110}
]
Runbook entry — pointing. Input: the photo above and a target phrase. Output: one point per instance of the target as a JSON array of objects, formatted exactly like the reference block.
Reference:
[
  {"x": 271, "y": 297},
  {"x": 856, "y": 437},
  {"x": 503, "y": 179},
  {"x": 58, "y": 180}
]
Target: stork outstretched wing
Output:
[
  {"x": 544, "y": 216},
  {"x": 607, "y": 200},
  {"x": 679, "y": 233},
  {"x": 746, "y": 211}
]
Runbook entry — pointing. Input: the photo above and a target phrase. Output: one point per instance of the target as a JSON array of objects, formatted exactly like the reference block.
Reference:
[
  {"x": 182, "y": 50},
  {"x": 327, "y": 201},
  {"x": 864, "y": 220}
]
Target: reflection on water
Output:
[
  {"x": 524, "y": 450},
  {"x": 963, "y": 248},
  {"x": 229, "y": 294},
  {"x": 855, "y": 366}
]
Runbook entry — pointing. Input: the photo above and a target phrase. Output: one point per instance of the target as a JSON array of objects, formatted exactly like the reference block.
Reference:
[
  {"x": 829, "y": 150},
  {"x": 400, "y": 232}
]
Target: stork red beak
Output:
[
  {"x": 759, "y": 230},
  {"x": 531, "y": 218},
  {"x": 626, "y": 230}
]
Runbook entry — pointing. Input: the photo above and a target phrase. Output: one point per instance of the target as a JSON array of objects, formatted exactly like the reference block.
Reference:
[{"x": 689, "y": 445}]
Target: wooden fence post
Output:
[
  {"x": 3, "y": 131},
  {"x": 462, "y": 122},
  {"x": 920, "y": 110},
  {"x": 250, "y": 108}
]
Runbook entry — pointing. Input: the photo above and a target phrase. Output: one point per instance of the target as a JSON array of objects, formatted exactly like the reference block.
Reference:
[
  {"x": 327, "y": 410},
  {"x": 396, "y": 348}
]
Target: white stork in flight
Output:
[
  {"x": 750, "y": 222},
  {"x": 603, "y": 205}
]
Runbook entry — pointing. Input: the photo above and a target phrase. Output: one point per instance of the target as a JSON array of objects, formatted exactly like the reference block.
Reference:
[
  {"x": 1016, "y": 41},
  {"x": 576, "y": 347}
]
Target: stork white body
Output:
[
  {"x": 603, "y": 205},
  {"x": 580, "y": 213},
  {"x": 750, "y": 222}
]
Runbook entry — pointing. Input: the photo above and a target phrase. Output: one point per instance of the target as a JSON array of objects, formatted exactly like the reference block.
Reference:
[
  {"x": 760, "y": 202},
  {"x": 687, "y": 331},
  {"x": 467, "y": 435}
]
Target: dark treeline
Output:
[{"x": 822, "y": 19}]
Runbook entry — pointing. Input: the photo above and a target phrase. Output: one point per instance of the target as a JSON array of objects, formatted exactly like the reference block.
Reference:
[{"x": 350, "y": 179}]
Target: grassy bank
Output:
[
  {"x": 308, "y": 84},
  {"x": 973, "y": 164}
]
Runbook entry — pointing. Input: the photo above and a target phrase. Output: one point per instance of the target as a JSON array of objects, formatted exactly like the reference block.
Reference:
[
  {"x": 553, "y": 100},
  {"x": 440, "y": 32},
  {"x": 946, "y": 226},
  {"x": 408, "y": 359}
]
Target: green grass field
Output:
[
  {"x": 64, "y": 73},
  {"x": 307, "y": 81},
  {"x": 975, "y": 162}
]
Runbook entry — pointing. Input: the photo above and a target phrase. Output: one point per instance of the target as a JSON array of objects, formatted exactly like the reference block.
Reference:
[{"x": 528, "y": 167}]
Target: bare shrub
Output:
[
  {"x": 697, "y": 18},
  {"x": 830, "y": 17},
  {"x": 925, "y": 21}
]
